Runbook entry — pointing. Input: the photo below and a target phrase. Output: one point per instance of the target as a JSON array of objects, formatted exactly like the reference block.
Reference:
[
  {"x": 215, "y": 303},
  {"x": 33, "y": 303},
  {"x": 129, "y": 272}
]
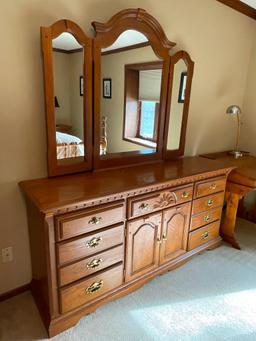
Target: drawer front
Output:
[
  {"x": 91, "y": 265},
  {"x": 203, "y": 235},
  {"x": 152, "y": 202},
  {"x": 205, "y": 218},
  {"x": 89, "y": 289},
  {"x": 207, "y": 203},
  {"x": 90, "y": 244},
  {"x": 211, "y": 186},
  {"x": 73, "y": 224}
]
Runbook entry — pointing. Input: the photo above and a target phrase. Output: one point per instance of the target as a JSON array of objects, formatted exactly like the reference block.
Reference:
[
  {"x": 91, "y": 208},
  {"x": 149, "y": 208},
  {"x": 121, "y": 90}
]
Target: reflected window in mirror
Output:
[
  {"x": 129, "y": 118},
  {"x": 148, "y": 118},
  {"x": 177, "y": 105},
  {"x": 142, "y": 102},
  {"x": 68, "y": 56}
]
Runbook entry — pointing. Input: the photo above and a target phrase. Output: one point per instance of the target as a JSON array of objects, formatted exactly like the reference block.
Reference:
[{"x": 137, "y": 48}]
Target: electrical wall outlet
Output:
[{"x": 7, "y": 254}]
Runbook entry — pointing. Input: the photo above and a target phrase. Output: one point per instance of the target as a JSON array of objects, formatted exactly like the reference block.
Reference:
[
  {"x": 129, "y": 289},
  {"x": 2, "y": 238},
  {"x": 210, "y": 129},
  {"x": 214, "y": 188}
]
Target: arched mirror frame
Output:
[
  {"x": 106, "y": 35},
  {"x": 67, "y": 166},
  {"x": 172, "y": 154}
]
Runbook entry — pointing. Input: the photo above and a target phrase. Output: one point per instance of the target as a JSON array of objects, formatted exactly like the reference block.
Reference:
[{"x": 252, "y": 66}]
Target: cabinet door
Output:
[
  {"x": 175, "y": 232},
  {"x": 143, "y": 242}
]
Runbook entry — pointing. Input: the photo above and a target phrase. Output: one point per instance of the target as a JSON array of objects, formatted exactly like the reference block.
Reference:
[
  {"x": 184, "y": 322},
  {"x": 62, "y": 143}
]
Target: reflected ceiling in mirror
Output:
[
  {"x": 127, "y": 39},
  {"x": 68, "y": 58},
  {"x": 177, "y": 105},
  {"x": 130, "y": 100}
]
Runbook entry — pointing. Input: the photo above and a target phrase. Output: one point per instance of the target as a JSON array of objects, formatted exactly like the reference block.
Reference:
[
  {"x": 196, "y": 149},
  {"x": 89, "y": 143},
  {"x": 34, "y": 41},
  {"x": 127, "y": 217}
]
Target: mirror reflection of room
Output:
[
  {"x": 131, "y": 86},
  {"x": 177, "y": 105},
  {"x": 68, "y": 96}
]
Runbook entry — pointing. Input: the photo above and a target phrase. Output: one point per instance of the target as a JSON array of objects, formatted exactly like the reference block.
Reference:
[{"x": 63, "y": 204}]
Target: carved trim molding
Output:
[
  {"x": 143, "y": 190},
  {"x": 133, "y": 18}
]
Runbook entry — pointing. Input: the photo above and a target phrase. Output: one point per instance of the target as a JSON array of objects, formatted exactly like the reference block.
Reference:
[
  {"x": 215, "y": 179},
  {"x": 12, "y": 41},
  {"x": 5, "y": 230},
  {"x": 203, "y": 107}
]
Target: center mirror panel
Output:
[
  {"x": 68, "y": 57},
  {"x": 131, "y": 78}
]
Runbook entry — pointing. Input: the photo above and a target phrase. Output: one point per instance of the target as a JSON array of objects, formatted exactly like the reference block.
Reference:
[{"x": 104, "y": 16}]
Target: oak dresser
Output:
[{"x": 97, "y": 236}]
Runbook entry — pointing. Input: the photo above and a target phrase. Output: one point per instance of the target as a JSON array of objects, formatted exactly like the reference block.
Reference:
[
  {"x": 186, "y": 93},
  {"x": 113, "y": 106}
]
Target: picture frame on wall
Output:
[
  {"x": 183, "y": 85},
  {"x": 81, "y": 85},
  {"x": 107, "y": 88}
]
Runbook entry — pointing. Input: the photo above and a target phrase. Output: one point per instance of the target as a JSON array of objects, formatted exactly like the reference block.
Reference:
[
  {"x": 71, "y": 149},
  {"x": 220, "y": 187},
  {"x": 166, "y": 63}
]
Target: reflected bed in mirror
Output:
[
  {"x": 68, "y": 59},
  {"x": 129, "y": 117}
]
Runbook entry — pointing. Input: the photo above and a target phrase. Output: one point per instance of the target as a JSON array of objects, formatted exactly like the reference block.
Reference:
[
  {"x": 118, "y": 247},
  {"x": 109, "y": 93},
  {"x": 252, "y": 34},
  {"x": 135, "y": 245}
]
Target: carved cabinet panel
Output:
[
  {"x": 174, "y": 232},
  {"x": 143, "y": 242}
]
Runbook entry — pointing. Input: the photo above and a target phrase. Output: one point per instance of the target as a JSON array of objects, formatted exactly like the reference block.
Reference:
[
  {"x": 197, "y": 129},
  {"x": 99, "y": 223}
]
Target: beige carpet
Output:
[{"x": 212, "y": 297}]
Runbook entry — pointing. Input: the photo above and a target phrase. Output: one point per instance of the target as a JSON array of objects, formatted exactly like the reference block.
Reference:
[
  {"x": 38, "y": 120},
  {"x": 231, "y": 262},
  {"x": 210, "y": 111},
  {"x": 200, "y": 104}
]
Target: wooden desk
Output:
[{"x": 241, "y": 181}]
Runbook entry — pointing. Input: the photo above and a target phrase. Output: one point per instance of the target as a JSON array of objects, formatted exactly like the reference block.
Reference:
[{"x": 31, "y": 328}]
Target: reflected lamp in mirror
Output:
[{"x": 235, "y": 110}]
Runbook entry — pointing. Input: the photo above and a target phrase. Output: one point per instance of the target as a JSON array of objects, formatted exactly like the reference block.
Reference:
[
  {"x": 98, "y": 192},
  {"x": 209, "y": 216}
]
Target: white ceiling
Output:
[
  {"x": 251, "y": 3},
  {"x": 67, "y": 41}
]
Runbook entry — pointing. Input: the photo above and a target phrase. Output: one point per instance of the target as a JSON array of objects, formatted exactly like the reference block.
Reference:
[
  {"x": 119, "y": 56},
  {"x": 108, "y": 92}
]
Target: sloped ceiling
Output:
[
  {"x": 251, "y": 3},
  {"x": 247, "y": 7}
]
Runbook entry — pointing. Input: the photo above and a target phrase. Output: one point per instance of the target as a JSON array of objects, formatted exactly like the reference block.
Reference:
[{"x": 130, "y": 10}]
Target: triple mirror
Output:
[{"x": 136, "y": 96}]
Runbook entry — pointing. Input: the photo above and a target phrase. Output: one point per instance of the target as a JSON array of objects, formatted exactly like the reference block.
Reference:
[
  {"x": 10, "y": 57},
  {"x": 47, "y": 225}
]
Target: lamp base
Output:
[{"x": 236, "y": 153}]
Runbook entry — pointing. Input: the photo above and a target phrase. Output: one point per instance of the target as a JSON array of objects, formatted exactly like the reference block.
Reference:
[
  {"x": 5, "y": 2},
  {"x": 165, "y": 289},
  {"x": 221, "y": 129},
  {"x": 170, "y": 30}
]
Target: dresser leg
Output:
[{"x": 227, "y": 229}]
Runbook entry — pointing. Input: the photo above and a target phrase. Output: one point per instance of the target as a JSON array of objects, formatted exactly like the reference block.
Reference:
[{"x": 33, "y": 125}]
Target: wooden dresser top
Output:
[{"x": 61, "y": 194}]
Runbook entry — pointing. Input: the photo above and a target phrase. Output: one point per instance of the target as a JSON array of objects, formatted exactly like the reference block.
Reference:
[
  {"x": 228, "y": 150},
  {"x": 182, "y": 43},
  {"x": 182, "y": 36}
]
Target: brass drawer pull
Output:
[
  {"x": 164, "y": 238},
  {"x": 94, "y": 263},
  {"x": 185, "y": 195},
  {"x": 94, "y": 242},
  {"x": 144, "y": 207},
  {"x": 213, "y": 186},
  {"x": 205, "y": 235},
  {"x": 210, "y": 202},
  {"x": 94, "y": 287},
  {"x": 207, "y": 218},
  {"x": 95, "y": 220}
]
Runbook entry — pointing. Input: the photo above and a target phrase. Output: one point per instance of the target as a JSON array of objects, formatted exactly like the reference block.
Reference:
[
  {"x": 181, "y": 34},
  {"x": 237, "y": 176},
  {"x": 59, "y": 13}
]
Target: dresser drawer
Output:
[
  {"x": 148, "y": 203},
  {"x": 211, "y": 186},
  {"x": 205, "y": 218},
  {"x": 90, "y": 244},
  {"x": 73, "y": 224},
  {"x": 89, "y": 289},
  {"x": 203, "y": 235},
  {"x": 207, "y": 203},
  {"x": 91, "y": 265}
]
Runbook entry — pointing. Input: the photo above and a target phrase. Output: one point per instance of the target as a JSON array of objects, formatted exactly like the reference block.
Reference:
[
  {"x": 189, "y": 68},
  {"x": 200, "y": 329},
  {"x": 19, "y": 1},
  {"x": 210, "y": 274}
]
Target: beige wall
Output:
[
  {"x": 248, "y": 131},
  {"x": 218, "y": 39}
]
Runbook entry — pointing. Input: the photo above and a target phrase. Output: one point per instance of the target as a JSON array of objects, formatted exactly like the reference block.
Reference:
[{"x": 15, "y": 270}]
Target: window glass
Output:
[{"x": 147, "y": 119}]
